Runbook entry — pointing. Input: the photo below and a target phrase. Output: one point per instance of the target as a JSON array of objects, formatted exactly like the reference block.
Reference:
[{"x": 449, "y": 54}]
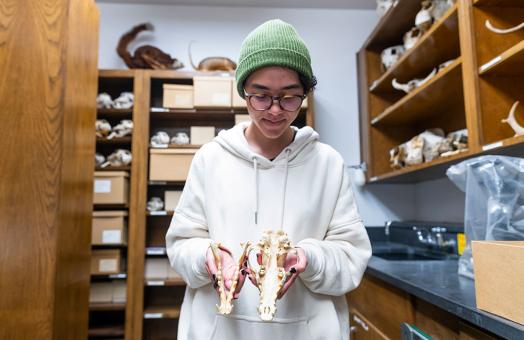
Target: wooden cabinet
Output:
[
  {"x": 153, "y": 303},
  {"x": 378, "y": 309},
  {"x": 461, "y": 95}
]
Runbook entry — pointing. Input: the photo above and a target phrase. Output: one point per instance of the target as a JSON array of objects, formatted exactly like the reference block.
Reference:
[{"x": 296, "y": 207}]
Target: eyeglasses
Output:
[{"x": 262, "y": 102}]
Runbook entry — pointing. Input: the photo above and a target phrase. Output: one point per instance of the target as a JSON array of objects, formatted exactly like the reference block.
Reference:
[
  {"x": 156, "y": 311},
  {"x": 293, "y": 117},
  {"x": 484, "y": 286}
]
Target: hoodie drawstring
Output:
[{"x": 255, "y": 166}]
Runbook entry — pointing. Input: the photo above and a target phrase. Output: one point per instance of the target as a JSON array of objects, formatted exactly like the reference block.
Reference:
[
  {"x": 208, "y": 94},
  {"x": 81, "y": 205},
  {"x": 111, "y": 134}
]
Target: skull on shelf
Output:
[
  {"x": 412, "y": 36},
  {"x": 124, "y": 128},
  {"x": 119, "y": 157},
  {"x": 180, "y": 138},
  {"x": 160, "y": 140},
  {"x": 440, "y": 7},
  {"x": 424, "y": 17},
  {"x": 125, "y": 101},
  {"x": 103, "y": 128},
  {"x": 391, "y": 55},
  {"x": 104, "y": 101},
  {"x": 155, "y": 204},
  {"x": 383, "y": 6},
  {"x": 432, "y": 141},
  {"x": 99, "y": 159}
]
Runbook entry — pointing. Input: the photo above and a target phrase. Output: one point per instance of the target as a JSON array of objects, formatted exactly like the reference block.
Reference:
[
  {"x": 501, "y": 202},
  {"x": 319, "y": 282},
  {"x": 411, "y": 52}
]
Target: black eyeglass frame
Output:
[{"x": 273, "y": 98}]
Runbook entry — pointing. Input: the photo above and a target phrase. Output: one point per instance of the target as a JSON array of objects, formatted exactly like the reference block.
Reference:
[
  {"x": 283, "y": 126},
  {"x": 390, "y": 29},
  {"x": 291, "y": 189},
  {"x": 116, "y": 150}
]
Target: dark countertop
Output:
[{"x": 439, "y": 283}]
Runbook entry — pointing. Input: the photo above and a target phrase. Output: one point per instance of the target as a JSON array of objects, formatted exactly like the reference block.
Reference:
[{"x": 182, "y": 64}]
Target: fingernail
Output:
[{"x": 293, "y": 270}]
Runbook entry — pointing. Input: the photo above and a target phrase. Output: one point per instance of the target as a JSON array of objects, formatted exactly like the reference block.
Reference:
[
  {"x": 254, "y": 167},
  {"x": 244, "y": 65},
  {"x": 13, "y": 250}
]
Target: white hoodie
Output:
[{"x": 306, "y": 191}]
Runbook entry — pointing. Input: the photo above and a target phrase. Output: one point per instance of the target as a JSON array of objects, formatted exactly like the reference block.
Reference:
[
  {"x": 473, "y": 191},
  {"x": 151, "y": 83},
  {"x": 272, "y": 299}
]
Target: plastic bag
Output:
[{"x": 494, "y": 187}]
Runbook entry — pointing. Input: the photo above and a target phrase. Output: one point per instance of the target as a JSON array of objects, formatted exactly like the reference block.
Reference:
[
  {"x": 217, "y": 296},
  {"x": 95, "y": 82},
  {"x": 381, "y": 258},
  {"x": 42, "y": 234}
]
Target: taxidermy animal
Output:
[
  {"x": 212, "y": 63},
  {"x": 147, "y": 56}
]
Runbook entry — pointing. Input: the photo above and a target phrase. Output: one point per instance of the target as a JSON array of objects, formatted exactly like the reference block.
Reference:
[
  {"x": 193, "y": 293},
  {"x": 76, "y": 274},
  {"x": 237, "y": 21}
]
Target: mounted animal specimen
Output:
[
  {"x": 211, "y": 64},
  {"x": 271, "y": 275},
  {"x": 494, "y": 29},
  {"x": 512, "y": 121},
  {"x": 226, "y": 296},
  {"x": 147, "y": 56}
]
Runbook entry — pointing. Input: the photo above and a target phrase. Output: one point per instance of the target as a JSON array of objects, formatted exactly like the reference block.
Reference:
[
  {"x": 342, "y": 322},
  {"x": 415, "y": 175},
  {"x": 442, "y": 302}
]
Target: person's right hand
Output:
[{"x": 229, "y": 267}]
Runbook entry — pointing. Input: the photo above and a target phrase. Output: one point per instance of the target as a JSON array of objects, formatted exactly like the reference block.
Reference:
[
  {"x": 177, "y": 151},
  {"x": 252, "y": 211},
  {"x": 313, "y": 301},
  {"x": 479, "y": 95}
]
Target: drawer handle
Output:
[{"x": 361, "y": 323}]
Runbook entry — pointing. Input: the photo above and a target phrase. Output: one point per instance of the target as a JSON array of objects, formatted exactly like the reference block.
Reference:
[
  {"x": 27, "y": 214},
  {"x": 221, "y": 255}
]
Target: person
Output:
[{"x": 267, "y": 174}]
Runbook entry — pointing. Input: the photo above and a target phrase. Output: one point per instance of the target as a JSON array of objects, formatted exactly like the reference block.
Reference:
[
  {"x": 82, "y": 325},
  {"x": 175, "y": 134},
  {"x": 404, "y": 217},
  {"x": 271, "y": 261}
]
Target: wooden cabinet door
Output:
[{"x": 362, "y": 329}]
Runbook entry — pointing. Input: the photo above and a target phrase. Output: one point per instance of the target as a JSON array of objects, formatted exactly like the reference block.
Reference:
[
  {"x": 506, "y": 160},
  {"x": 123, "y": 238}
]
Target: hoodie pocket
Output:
[{"x": 245, "y": 327}]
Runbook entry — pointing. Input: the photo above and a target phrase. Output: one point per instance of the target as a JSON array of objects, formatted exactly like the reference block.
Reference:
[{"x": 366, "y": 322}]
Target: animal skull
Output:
[
  {"x": 519, "y": 130},
  {"x": 160, "y": 140},
  {"x": 125, "y": 101},
  {"x": 383, "y": 6},
  {"x": 440, "y": 7},
  {"x": 103, "y": 128},
  {"x": 155, "y": 204},
  {"x": 432, "y": 140},
  {"x": 271, "y": 275},
  {"x": 104, "y": 101},
  {"x": 391, "y": 55},
  {"x": 226, "y": 297},
  {"x": 180, "y": 138},
  {"x": 414, "y": 151},
  {"x": 412, "y": 84},
  {"x": 424, "y": 18},
  {"x": 119, "y": 157},
  {"x": 99, "y": 159},
  {"x": 412, "y": 36},
  {"x": 123, "y": 129}
]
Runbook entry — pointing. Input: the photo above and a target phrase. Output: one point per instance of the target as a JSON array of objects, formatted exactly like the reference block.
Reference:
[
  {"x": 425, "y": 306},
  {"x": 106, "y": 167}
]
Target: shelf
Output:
[
  {"x": 499, "y": 3},
  {"x": 116, "y": 73},
  {"x": 110, "y": 206},
  {"x": 109, "y": 246},
  {"x": 156, "y": 251},
  {"x": 164, "y": 282},
  {"x": 114, "y": 141},
  {"x": 161, "y": 313},
  {"x": 106, "y": 332},
  {"x": 114, "y": 113},
  {"x": 120, "y": 276},
  {"x": 175, "y": 146},
  {"x": 493, "y": 147},
  {"x": 419, "y": 104},
  {"x": 114, "y": 168},
  {"x": 107, "y": 306},
  {"x": 393, "y": 24},
  {"x": 509, "y": 63},
  {"x": 439, "y": 44},
  {"x": 160, "y": 213},
  {"x": 422, "y": 172},
  {"x": 165, "y": 183}
]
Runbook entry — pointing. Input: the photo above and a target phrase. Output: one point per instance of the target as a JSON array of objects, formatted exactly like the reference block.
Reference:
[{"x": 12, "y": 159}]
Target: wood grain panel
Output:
[{"x": 46, "y": 168}]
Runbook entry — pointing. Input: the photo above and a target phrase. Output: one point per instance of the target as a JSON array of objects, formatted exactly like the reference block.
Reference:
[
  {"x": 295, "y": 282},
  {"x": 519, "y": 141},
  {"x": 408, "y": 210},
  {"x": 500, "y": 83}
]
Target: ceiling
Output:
[{"x": 346, "y": 4}]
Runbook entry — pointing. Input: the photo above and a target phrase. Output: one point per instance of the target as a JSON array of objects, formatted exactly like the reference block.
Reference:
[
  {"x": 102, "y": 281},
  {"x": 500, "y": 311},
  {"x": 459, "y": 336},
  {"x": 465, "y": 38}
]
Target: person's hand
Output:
[
  {"x": 296, "y": 263},
  {"x": 229, "y": 268}
]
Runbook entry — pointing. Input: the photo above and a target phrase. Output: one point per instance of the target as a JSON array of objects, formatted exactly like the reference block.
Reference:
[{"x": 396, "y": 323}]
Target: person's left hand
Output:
[{"x": 296, "y": 263}]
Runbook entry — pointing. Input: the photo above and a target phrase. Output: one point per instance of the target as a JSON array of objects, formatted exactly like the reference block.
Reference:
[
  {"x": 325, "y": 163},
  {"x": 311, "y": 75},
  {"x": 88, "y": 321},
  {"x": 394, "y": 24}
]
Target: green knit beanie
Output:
[{"x": 274, "y": 43}]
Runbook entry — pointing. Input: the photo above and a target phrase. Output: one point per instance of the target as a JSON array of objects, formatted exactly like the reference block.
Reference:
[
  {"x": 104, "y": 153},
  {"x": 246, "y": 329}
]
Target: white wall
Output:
[{"x": 333, "y": 37}]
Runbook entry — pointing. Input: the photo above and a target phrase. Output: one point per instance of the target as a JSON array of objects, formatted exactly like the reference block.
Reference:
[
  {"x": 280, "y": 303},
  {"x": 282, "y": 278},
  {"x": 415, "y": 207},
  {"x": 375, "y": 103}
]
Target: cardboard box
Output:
[
  {"x": 109, "y": 227},
  {"x": 156, "y": 268},
  {"x": 239, "y": 118},
  {"x": 170, "y": 164},
  {"x": 171, "y": 199},
  {"x": 178, "y": 96},
  {"x": 119, "y": 292},
  {"x": 171, "y": 273},
  {"x": 111, "y": 187},
  {"x": 202, "y": 134},
  {"x": 212, "y": 91},
  {"x": 499, "y": 277},
  {"x": 106, "y": 261},
  {"x": 101, "y": 292},
  {"x": 237, "y": 101}
]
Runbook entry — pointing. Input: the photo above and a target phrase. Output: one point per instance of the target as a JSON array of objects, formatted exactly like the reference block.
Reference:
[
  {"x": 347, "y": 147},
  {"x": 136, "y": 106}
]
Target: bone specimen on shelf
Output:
[
  {"x": 160, "y": 140},
  {"x": 124, "y": 101},
  {"x": 155, "y": 204},
  {"x": 226, "y": 296},
  {"x": 271, "y": 275},
  {"x": 512, "y": 121},
  {"x": 124, "y": 128},
  {"x": 104, "y": 101},
  {"x": 391, "y": 55},
  {"x": 494, "y": 29},
  {"x": 412, "y": 84},
  {"x": 180, "y": 138},
  {"x": 384, "y": 5},
  {"x": 440, "y": 7},
  {"x": 102, "y": 127},
  {"x": 99, "y": 159},
  {"x": 412, "y": 36},
  {"x": 119, "y": 157},
  {"x": 424, "y": 18},
  {"x": 432, "y": 141}
]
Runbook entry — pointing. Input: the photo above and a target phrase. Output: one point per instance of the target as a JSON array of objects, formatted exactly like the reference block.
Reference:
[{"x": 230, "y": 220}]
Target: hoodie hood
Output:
[{"x": 234, "y": 141}]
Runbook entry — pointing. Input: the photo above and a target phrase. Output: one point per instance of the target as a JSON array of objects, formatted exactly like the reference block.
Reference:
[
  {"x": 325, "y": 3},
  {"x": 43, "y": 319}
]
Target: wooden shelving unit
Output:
[
  {"x": 107, "y": 306},
  {"x": 461, "y": 96},
  {"x": 153, "y": 305},
  {"x": 114, "y": 141}
]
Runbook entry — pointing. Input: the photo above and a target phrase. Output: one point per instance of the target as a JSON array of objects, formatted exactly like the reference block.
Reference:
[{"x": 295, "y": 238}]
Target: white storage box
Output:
[
  {"x": 178, "y": 96},
  {"x": 212, "y": 91},
  {"x": 170, "y": 164},
  {"x": 202, "y": 134}
]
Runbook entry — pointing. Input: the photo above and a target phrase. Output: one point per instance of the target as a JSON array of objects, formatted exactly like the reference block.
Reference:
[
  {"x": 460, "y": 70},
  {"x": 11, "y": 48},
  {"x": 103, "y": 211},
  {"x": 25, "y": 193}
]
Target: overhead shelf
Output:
[
  {"x": 439, "y": 44},
  {"x": 114, "y": 141},
  {"x": 509, "y": 63},
  {"x": 420, "y": 103},
  {"x": 107, "y": 306}
]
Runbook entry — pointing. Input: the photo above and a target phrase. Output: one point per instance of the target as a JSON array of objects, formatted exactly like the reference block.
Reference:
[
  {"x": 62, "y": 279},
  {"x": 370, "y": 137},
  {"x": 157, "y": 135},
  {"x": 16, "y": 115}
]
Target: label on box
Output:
[
  {"x": 107, "y": 265},
  {"x": 102, "y": 186},
  {"x": 220, "y": 99},
  {"x": 111, "y": 236}
]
